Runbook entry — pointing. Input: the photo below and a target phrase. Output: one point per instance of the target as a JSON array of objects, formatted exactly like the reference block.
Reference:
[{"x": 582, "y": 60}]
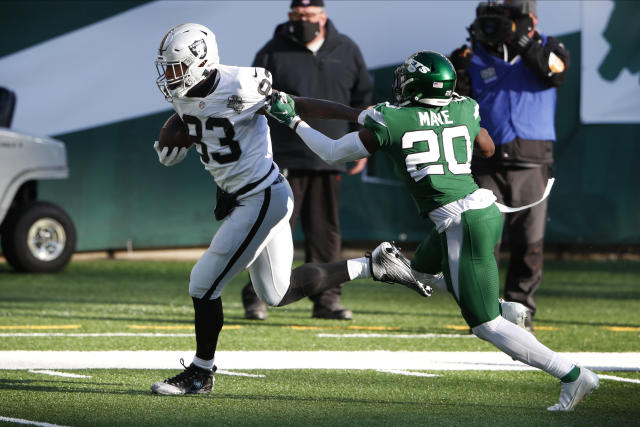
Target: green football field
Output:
[{"x": 398, "y": 362}]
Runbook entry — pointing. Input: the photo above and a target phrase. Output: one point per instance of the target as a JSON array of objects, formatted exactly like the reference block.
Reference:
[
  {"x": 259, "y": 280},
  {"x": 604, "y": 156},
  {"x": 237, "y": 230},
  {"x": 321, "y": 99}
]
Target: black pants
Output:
[
  {"x": 525, "y": 229},
  {"x": 316, "y": 198}
]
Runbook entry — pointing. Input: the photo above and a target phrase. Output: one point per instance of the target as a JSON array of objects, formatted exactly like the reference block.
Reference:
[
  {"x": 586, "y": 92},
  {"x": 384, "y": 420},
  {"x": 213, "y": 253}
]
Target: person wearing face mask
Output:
[{"x": 308, "y": 57}]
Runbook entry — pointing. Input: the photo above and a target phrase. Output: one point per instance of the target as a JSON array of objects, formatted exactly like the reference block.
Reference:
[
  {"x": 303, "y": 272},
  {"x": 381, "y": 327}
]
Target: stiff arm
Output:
[
  {"x": 311, "y": 108},
  {"x": 354, "y": 145}
]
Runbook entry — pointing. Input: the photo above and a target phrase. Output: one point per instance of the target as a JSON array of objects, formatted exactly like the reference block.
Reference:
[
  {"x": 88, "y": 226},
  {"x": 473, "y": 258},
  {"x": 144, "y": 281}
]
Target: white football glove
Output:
[{"x": 170, "y": 158}]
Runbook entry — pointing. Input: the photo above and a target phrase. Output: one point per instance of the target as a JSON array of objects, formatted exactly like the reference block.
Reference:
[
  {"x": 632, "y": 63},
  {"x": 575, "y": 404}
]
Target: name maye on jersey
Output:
[{"x": 232, "y": 140}]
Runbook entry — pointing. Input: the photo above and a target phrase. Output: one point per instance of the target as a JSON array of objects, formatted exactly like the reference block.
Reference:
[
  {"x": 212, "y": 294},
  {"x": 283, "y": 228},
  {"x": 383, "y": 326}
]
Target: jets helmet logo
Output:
[
  {"x": 198, "y": 48},
  {"x": 413, "y": 66}
]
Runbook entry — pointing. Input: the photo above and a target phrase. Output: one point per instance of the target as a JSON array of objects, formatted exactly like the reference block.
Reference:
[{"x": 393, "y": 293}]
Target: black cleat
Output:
[
  {"x": 335, "y": 314},
  {"x": 193, "y": 380}
]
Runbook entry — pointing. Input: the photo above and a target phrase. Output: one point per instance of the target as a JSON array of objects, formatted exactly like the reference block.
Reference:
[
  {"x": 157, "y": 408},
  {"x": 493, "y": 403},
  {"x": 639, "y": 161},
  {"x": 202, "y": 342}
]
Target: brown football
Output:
[{"x": 174, "y": 134}]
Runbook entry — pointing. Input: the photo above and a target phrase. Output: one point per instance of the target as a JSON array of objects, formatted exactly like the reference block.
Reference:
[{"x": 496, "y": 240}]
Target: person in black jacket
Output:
[
  {"x": 512, "y": 70},
  {"x": 307, "y": 56}
]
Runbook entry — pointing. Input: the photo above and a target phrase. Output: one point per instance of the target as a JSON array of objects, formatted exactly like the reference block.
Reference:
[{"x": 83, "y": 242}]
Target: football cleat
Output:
[
  {"x": 572, "y": 393},
  {"x": 387, "y": 264},
  {"x": 193, "y": 380},
  {"x": 514, "y": 312}
]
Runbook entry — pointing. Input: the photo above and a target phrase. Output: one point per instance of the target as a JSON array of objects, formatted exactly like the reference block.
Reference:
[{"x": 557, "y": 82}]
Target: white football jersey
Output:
[{"x": 232, "y": 140}]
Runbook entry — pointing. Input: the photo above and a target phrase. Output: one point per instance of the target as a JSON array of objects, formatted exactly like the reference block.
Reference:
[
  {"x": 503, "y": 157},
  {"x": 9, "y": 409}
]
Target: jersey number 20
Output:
[{"x": 427, "y": 162}]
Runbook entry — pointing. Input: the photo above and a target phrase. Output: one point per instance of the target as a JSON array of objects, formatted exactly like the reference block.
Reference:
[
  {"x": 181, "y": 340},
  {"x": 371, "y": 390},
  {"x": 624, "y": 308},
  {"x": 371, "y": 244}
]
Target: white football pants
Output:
[{"x": 257, "y": 236}]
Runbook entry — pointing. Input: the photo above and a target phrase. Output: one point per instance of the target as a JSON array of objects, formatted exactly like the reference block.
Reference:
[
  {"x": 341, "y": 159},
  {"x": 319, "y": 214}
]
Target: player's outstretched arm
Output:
[
  {"x": 352, "y": 146},
  {"x": 484, "y": 146},
  {"x": 311, "y": 108}
]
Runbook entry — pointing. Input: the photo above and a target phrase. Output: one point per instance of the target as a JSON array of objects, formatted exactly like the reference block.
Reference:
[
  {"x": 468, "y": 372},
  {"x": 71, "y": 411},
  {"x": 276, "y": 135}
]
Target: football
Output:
[{"x": 174, "y": 134}]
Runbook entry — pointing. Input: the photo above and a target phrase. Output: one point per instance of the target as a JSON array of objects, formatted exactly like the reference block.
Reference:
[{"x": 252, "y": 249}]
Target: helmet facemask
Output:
[
  {"x": 396, "y": 88},
  {"x": 173, "y": 78}
]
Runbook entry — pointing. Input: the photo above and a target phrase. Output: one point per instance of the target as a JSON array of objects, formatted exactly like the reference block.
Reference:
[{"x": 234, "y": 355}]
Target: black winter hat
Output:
[{"x": 304, "y": 3}]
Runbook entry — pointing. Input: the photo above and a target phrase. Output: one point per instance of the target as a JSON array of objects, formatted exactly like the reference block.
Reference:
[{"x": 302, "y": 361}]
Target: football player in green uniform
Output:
[{"x": 430, "y": 133}]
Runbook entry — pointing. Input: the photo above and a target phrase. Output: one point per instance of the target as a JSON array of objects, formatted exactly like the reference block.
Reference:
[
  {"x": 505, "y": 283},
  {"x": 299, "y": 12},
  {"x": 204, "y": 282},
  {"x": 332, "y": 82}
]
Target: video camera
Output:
[{"x": 497, "y": 22}]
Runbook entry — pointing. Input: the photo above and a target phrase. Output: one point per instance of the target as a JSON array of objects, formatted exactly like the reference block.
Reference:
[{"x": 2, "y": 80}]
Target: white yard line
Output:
[
  {"x": 404, "y": 336},
  {"x": 33, "y": 423},
  {"x": 239, "y": 374},
  {"x": 248, "y": 360},
  {"x": 623, "y": 380},
  {"x": 57, "y": 374},
  {"x": 407, "y": 373}
]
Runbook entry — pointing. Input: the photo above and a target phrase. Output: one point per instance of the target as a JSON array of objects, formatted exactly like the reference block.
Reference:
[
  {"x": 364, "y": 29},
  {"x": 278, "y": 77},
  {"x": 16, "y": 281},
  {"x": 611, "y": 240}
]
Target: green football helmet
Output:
[{"x": 426, "y": 77}]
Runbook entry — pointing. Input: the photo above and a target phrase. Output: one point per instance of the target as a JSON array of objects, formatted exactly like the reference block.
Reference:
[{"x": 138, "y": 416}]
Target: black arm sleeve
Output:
[{"x": 537, "y": 59}]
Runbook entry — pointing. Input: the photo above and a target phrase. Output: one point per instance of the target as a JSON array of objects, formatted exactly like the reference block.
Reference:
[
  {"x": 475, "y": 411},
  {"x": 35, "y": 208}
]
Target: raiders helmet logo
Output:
[{"x": 198, "y": 48}]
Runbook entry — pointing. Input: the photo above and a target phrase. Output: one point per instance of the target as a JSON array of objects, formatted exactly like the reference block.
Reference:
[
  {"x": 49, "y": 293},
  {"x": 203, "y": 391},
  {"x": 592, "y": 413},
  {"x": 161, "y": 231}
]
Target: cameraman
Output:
[{"x": 512, "y": 70}]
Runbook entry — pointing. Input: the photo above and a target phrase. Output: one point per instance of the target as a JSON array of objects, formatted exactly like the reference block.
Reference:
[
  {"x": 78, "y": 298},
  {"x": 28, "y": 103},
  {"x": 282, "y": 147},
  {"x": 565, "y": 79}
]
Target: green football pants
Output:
[{"x": 464, "y": 253}]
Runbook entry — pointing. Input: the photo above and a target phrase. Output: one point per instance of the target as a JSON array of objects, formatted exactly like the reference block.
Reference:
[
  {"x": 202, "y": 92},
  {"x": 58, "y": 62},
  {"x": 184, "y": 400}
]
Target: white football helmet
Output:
[{"x": 186, "y": 55}]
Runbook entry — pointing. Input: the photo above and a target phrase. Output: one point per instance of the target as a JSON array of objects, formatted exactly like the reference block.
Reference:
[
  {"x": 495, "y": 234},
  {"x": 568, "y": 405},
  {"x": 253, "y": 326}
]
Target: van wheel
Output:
[{"x": 38, "y": 237}]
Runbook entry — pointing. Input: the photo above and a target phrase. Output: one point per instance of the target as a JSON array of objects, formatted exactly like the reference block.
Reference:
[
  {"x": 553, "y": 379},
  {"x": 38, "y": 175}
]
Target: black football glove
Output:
[{"x": 461, "y": 57}]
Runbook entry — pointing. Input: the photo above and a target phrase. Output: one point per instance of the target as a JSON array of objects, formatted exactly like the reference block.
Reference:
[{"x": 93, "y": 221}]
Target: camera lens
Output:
[{"x": 490, "y": 27}]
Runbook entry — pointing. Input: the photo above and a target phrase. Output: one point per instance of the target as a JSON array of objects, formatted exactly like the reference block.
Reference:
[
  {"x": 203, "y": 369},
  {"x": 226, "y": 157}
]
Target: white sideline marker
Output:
[
  {"x": 622, "y": 380},
  {"x": 261, "y": 360},
  {"x": 33, "y": 423},
  {"x": 239, "y": 374},
  {"x": 404, "y": 336},
  {"x": 57, "y": 374},
  {"x": 407, "y": 373}
]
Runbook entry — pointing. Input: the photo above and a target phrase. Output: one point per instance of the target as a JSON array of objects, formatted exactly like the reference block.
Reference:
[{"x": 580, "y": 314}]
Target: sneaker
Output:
[
  {"x": 572, "y": 393},
  {"x": 327, "y": 313},
  {"x": 387, "y": 264},
  {"x": 528, "y": 325},
  {"x": 193, "y": 380},
  {"x": 514, "y": 312},
  {"x": 255, "y": 314}
]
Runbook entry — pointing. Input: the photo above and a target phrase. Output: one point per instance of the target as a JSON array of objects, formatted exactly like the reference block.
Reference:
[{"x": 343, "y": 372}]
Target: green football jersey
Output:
[{"x": 430, "y": 148}]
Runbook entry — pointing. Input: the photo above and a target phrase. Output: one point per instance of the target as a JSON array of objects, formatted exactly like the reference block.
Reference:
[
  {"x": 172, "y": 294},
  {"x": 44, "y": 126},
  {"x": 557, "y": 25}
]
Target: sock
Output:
[
  {"x": 359, "y": 268},
  {"x": 523, "y": 346},
  {"x": 573, "y": 375},
  {"x": 208, "y": 323},
  {"x": 204, "y": 364}
]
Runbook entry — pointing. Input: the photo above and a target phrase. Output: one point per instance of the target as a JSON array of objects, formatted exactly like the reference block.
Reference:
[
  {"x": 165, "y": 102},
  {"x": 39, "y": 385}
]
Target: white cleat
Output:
[
  {"x": 389, "y": 265},
  {"x": 514, "y": 312},
  {"x": 572, "y": 393}
]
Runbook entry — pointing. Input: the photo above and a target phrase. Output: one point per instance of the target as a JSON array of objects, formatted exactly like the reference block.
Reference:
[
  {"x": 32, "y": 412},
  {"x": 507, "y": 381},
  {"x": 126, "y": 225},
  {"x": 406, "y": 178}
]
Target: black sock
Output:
[
  {"x": 208, "y": 322},
  {"x": 313, "y": 278}
]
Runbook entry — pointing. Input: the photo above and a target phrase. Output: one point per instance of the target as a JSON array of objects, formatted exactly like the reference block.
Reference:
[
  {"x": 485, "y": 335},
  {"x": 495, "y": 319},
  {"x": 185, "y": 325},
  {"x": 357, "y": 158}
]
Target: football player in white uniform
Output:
[{"x": 222, "y": 107}]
